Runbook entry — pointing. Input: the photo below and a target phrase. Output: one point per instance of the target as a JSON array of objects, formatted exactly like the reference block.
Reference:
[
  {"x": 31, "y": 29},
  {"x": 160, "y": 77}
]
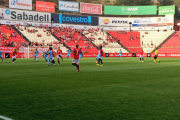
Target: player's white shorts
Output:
[
  {"x": 59, "y": 56},
  {"x": 141, "y": 56},
  {"x": 75, "y": 60},
  {"x": 13, "y": 57},
  {"x": 52, "y": 58},
  {"x": 101, "y": 57}
]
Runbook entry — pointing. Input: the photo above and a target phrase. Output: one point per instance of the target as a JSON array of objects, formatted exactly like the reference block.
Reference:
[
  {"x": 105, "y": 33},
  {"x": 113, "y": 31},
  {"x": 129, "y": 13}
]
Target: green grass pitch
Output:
[{"x": 120, "y": 90}]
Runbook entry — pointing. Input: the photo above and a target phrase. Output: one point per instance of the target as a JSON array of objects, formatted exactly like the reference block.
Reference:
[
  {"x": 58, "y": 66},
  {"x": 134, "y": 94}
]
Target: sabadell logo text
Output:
[{"x": 28, "y": 17}]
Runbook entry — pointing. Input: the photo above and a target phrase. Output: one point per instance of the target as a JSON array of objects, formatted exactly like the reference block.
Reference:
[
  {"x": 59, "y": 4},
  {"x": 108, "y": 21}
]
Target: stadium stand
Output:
[
  {"x": 152, "y": 39},
  {"x": 131, "y": 40},
  {"x": 147, "y": 40},
  {"x": 109, "y": 44},
  {"x": 10, "y": 38},
  {"x": 40, "y": 36},
  {"x": 172, "y": 45},
  {"x": 71, "y": 37}
]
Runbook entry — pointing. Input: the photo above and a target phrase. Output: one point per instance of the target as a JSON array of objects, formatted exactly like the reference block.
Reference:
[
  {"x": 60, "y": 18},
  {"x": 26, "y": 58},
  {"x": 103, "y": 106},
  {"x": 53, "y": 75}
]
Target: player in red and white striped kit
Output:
[
  {"x": 75, "y": 61},
  {"x": 14, "y": 56},
  {"x": 59, "y": 52},
  {"x": 53, "y": 54}
]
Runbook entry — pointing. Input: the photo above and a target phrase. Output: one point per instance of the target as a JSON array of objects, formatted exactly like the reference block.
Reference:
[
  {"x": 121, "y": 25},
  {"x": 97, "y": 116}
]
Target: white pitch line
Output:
[{"x": 5, "y": 118}]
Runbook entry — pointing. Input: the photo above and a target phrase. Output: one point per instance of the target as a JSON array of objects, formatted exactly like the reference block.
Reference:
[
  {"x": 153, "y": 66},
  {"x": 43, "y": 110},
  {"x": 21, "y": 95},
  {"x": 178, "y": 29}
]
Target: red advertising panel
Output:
[
  {"x": 123, "y": 54},
  {"x": 138, "y": 55},
  {"x": 172, "y": 55},
  {"x": 91, "y": 8},
  {"x": 45, "y": 6}
]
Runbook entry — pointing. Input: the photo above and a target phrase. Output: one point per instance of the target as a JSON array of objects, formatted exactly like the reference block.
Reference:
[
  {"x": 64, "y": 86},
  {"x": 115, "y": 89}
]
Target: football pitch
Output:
[{"x": 120, "y": 90}]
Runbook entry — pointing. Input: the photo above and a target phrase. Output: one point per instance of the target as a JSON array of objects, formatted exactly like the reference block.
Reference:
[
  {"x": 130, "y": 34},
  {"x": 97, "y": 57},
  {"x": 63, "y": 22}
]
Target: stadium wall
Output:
[{"x": 29, "y": 53}]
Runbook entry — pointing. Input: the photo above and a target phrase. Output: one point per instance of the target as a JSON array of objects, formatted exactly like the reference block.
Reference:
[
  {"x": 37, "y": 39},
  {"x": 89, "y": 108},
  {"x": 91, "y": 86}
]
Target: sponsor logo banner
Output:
[
  {"x": 106, "y": 21},
  {"x": 45, "y": 6},
  {"x": 21, "y": 4},
  {"x": 11, "y": 14},
  {"x": 138, "y": 55},
  {"x": 130, "y": 10},
  {"x": 69, "y": 6},
  {"x": 123, "y": 54},
  {"x": 166, "y": 55},
  {"x": 91, "y": 8},
  {"x": 74, "y": 19},
  {"x": 167, "y": 10},
  {"x": 136, "y": 22}
]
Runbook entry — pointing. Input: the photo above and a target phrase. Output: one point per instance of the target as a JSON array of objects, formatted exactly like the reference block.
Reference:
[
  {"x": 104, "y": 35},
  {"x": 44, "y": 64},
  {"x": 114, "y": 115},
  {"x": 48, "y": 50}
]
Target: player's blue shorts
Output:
[
  {"x": 46, "y": 57},
  {"x": 68, "y": 55},
  {"x": 98, "y": 57},
  {"x": 80, "y": 56},
  {"x": 120, "y": 55}
]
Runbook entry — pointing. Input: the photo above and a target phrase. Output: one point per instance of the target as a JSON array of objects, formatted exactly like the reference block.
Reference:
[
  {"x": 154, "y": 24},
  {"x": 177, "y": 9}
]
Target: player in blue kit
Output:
[
  {"x": 50, "y": 55},
  {"x": 36, "y": 55},
  {"x": 97, "y": 58},
  {"x": 46, "y": 56},
  {"x": 68, "y": 54},
  {"x": 120, "y": 54},
  {"x": 80, "y": 55},
  {"x": 1, "y": 56}
]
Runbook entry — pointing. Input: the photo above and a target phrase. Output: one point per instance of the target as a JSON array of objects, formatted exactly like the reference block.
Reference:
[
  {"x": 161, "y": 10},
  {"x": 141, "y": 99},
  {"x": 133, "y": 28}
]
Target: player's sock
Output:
[
  {"x": 121, "y": 58},
  {"x": 48, "y": 62},
  {"x": 2, "y": 60},
  {"x": 36, "y": 59},
  {"x": 101, "y": 61},
  {"x": 76, "y": 65},
  {"x": 140, "y": 59},
  {"x": 61, "y": 58},
  {"x": 13, "y": 60},
  {"x": 98, "y": 61},
  {"x": 58, "y": 61},
  {"x": 154, "y": 61}
]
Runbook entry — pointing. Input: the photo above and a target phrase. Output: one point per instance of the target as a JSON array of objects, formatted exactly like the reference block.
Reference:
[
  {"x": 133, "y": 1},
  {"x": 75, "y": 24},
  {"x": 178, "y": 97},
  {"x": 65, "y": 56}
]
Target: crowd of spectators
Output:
[
  {"x": 68, "y": 34},
  {"x": 9, "y": 37}
]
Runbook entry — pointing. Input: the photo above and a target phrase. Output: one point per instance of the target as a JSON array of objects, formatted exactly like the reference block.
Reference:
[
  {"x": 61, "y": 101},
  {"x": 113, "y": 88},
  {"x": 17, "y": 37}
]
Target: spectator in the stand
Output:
[
  {"x": 15, "y": 44},
  {"x": 151, "y": 42}
]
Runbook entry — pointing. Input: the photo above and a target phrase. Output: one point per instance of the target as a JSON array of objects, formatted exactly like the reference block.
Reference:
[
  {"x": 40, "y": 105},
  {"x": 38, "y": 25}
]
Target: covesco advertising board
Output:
[{"x": 11, "y": 14}]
